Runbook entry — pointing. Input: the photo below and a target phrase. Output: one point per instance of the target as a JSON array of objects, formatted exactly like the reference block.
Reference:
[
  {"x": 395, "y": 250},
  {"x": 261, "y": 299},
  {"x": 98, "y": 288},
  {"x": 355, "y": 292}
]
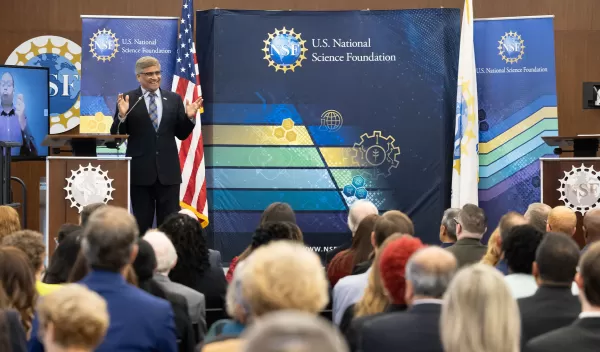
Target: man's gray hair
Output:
[
  {"x": 358, "y": 211},
  {"x": 449, "y": 221},
  {"x": 166, "y": 255},
  {"x": 109, "y": 238},
  {"x": 537, "y": 215},
  {"x": 144, "y": 62},
  {"x": 429, "y": 280},
  {"x": 293, "y": 331}
]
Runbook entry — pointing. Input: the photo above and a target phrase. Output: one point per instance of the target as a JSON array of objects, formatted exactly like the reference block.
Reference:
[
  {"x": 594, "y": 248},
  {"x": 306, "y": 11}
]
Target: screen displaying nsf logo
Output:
[
  {"x": 104, "y": 45},
  {"x": 512, "y": 47},
  {"x": 284, "y": 50}
]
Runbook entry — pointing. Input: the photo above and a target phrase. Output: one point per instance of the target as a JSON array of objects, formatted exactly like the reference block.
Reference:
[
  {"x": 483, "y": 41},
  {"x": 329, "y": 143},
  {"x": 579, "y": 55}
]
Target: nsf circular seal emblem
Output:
[
  {"x": 377, "y": 152},
  {"x": 512, "y": 47},
  {"x": 87, "y": 185},
  {"x": 104, "y": 45},
  {"x": 580, "y": 189},
  {"x": 284, "y": 50},
  {"x": 63, "y": 58}
]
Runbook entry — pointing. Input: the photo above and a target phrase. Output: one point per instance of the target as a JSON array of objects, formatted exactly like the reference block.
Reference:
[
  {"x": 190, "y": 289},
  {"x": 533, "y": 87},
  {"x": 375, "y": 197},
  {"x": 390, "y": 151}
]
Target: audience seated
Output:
[
  {"x": 591, "y": 228},
  {"x": 350, "y": 289},
  {"x": 63, "y": 259},
  {"x": 17, "y": 283},
  {"x": 519, "y": 249},
  {"x": 87, "y": 211},
  {"x": 479, "y": 313},
  {"x": 193, "y": 268},
  {"x": 584, "y": 333},
  {"x": 358, "y": 211},
  {"x": 360, "y": 251},
  {"x": 562, "y": 219},
  {"x": 506, "y": 223},
  {"x": 470, "y": 227},
  {"x": 138, "y": 320},
  {"x": 214, "y": 257},
  {"x": 12, "y": 335},
  {"x": 428, "y": 274},
  {"x": 553, "y": 305},
  {"x": 448, "y": 227},
  {"x": 293, "y": 331},
  {"x": 72, "y": 319},
  {"x": 9, "y": 221},
  {"x": 537, "y": 215}
]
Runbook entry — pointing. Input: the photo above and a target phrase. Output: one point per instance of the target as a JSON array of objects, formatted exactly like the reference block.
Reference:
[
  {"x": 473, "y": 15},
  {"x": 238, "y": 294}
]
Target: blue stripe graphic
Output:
[
  {"x": 268, "y": 178},
  {"x": 260, "y": 200}
]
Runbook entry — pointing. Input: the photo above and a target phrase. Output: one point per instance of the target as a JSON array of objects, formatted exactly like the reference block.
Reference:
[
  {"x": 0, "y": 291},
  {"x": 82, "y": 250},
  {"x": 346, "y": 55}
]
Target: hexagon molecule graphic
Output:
[
  {"x": 349, "y": 190},
  {"x": 358, "y": 181},
  {"x": 287, "y": 124},
  {"x": 361, "y": 193},
  {"x": 291, "y": 136},
  {"x": 279, "y": 132}
]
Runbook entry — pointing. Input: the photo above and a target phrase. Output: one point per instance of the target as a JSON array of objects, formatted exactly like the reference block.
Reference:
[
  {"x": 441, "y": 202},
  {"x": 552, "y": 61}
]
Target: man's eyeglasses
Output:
[{"x": 150, "y": 74}]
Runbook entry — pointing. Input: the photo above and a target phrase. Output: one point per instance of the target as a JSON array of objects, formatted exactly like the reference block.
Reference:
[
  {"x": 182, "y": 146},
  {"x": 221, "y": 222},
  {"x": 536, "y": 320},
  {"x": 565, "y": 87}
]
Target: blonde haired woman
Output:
[
  {"x": 479, "y": 313},
  {"x": 494, "y": 252}
]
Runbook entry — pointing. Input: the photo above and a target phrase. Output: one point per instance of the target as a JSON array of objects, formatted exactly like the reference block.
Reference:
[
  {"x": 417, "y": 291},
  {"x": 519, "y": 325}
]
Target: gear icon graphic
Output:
[
  {"x": 580, "y": 189},
  {"x": 284, "y": 49},
  {"x": 87, "y": 185},
  {"x": 512, "y": 47},
  {"x": 377, "y": 152},
  {"x": 109, "y": 43}
]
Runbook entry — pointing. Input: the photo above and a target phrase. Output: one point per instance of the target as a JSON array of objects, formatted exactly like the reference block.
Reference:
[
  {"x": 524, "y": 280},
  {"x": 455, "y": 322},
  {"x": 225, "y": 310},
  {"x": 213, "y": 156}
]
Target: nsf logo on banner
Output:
[
  {"x": 284, "y": 50},
  {"x": 104, "y": 45},
  {"x": 511, "y": 51}
]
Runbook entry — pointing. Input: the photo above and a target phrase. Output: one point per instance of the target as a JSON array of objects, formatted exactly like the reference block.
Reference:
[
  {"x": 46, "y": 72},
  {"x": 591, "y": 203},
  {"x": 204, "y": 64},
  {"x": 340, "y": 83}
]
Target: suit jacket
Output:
[
  {"x": 138, "y": 320},
  {"x": 186, "y": 338},
  {"x": 549, "y": 308},
  {"x": 583, "y": 335},
  {"x": 196, "y": 304},
  {"x": 214, "y": 258},
  {"x": 211, "y": 282},
  {"x": 467, "y": 251},
  {"x": 332, "y": 253},
  {"x": 417, "y": 329},
  {"x": 354, "y": 326},
  {"x": 154, "y": 153}
]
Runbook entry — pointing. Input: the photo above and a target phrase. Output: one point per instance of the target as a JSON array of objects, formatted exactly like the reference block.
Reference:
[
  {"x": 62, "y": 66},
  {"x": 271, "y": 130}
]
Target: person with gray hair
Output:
[
  {"x": 293, "y": 331},
  {"x": 166, "y": 258},
  {"x": 138, "y": 320},
  {"x": 448, "y": 227},
  {"x": 428, "y": 272},
  {"x": 537, "y": 215},
  {"x": 359, "y": 210}
]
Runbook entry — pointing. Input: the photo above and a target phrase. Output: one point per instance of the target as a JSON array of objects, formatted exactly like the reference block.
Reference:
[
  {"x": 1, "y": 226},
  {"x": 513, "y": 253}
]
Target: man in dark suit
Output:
[
  {"x": 553, "y": 305},
  {"x": 152, "y": 118},
  {"x": 470, "y": 227},
  {"x": 428, "y": 273},
  {"x": 584, "y": 333},
  {"x": 138, "y": 320}
]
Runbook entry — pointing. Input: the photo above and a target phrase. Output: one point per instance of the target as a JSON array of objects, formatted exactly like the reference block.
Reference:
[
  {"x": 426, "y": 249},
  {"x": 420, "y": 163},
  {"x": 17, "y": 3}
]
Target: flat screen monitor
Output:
[{"x": 24, "y": 111}]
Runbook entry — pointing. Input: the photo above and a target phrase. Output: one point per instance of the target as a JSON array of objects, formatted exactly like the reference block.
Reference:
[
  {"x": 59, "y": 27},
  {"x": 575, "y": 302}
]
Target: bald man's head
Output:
[
  {"x": 562, "y": 219},
  {"x": 428, "y": 273},
  {"x": 591, "y": 226}
]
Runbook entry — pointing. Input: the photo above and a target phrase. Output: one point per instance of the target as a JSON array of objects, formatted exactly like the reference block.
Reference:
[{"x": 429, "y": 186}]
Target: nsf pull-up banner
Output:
[
  {"x": 321, "y": 109},
  {"x": 111, "y": 46},
  {"x": 516, "y": 80}
]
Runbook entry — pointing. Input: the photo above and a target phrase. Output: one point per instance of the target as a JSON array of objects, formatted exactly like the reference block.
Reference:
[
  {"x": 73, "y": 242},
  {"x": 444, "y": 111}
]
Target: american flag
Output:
[{"x": 186, "y": 83}]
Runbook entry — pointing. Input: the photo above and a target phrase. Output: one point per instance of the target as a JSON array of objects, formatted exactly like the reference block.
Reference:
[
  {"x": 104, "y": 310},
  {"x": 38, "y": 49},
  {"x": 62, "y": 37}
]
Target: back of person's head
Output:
[
  {"x": 479, "y": 313},
  {"x": 472, "y": 219},
  {"x": 591, "y": 225},
  {"x": 358, "y": 211},
  {"x": 588, "y": 277},
  {"x": 87, "y": 211},
  {"x": 429, "y": 272},
  {"x": 392, "y": 221},
  {"x": 448, "y": 225},
  {"x": 189, "y": 241},
  {"x": 9, "y": 220},
  {"x": 494, "y": 249},
  {"x": 145, "y": 261},
  {"x": 110, "y": 239},
  {"x": 18, "y": 280},
  {"x": 73, "y": 317},
  {"x": 537, "y": 215},
  {"x": 165, "y": 253},
  {"x": 295, "y": 272},
  {"x": 268, "y": 232},
  {"x": 66, "y": 229},
  {"x": 278, "y": 212},
  {"x": 508, "y": 221},
  {"x": 235, "y": 303},
  {"x": 31, "y": 243},
  {"x": 556, "y": 259},
  {"x": 293, "y": 331},
  {"x": 520, "y": 247},
  {"x": 392, "y": 265},
  {"x": 562, "y": 219},
  {"x": 63, "y": 259},
  {"x": 362, "y": 247}
]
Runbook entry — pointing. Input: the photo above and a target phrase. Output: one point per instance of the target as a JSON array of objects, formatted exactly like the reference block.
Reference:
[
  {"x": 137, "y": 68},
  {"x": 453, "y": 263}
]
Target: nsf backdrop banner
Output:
[
  {"x": 321, "y": 109},
  {"x": 516, "y": 81},
  {"x": 111, "y": 46}
]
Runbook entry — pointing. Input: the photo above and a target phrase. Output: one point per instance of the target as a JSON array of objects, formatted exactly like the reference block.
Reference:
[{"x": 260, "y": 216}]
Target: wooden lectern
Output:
[
  {"x": 75, "y": 181},
  {"x": 572, "y": 182}
]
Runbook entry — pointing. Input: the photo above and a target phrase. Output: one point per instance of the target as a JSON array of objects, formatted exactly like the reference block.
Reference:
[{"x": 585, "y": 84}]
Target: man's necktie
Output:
[{"x": 153, "y": 111}]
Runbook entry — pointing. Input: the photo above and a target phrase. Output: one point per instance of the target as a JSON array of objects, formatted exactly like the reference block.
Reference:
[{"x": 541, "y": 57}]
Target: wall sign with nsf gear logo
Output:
[
  {"x": 63, "y": 58},
  {"x": 512, "y": 47},
  {"x": 87, "y": 185},
  {"x": 104, "y": 45},
  {"x": 284, "y": 50},
  {"x": 377, "y": 152},
  {"x": 580, "y": 189}
]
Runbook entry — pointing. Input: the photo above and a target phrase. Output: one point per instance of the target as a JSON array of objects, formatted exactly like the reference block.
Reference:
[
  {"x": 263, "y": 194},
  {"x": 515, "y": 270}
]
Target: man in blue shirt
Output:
[{"x": 13, "y": 121}]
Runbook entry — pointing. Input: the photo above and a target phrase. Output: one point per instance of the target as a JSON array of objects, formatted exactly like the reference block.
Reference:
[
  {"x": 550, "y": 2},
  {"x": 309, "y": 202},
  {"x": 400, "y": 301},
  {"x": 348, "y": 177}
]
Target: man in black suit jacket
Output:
[
  {"x": 470, "y": 227},
  {"x": 584, "y": 334},
  {"x": 553, "y": 305},
  {"x": 152, "y": 118},
  {"x": 428, "y": 274}
]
